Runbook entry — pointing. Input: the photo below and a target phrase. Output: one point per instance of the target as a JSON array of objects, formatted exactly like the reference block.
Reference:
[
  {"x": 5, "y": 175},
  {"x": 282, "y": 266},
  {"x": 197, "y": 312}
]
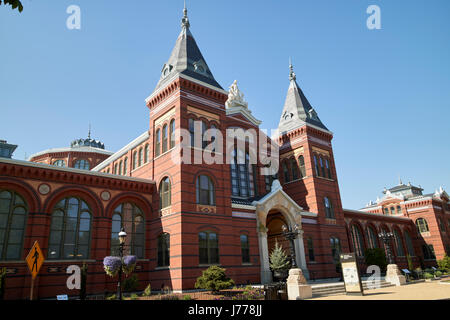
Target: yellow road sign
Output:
[{"x": 35, "y": 259}]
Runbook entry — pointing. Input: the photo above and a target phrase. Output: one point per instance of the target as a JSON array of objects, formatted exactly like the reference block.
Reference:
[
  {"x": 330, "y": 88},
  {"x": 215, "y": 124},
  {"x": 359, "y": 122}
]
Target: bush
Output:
[
  {"x": 111, "y": 297},
  {"x": 428, "y": 275},
  {"x": 134, "y": 296},
  {"x": 376, "y": 256},
  {"x": 214, "y": 279},
  {"x": 444, "y": 264},
  {"x": 278, "y": 259},
  {"x": 187, "y": 297},
  {"x": 438, "y": 273},
  {"x": 148, "y": 291},
  {"x": 131, "y": 283}
]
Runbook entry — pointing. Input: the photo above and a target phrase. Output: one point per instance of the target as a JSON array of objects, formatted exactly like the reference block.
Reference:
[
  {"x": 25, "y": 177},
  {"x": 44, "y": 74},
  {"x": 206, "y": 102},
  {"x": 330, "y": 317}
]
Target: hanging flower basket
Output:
[
  {"x": 129, "y": 263},
  {"x": 111, "y": 265}
]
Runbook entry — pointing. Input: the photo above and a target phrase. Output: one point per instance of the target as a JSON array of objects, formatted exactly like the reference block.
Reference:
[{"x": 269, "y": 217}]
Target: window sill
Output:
[
  {"x": 162, "y": 268},
  {"x": 209, "y": 265},
  {"x": 163, "y": 154},
  {"x": 247, "y": 264}
]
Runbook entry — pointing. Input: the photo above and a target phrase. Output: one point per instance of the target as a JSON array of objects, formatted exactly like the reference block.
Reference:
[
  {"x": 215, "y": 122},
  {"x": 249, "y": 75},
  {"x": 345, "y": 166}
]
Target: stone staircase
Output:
[{"x": 329, "y": 289}]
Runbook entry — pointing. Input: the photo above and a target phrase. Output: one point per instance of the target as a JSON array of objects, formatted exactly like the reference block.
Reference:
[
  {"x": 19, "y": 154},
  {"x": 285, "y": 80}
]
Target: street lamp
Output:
[
  {"x": 122, "y": 237},
  {"x": 386, "y": 237},
  {"x": 291, "y": 235}
]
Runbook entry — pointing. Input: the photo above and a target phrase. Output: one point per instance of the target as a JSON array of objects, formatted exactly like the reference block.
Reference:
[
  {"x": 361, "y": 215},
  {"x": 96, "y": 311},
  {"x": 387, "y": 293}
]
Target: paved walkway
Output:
[{"x": 416, "y": 291}]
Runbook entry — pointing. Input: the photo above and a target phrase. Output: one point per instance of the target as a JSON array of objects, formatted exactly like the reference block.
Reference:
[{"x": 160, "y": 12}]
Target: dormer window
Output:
[
  {"x": 200, "y": 67},
  {"x": 166, "y": 70}
]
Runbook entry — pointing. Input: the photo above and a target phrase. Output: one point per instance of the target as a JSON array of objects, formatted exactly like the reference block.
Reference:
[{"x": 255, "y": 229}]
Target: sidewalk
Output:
[{"x": 416, "y": 291}]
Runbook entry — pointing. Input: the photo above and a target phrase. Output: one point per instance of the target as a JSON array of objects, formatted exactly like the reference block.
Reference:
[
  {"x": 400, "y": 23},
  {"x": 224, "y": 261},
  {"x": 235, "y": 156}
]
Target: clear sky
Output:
[{"x": 385, "y": 94}]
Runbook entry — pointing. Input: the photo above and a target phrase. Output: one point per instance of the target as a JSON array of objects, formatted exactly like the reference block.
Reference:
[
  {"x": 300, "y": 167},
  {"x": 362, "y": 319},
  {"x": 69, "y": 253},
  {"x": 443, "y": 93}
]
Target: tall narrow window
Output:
[
  {"x": 82, "y": 164},
  {"x": 213, "y": 137},
  {"x": 192, "y": 131},
  {"x": 335, "y": 249},
  {"x": 327, "y": 163},
  {"x": 140, "y": 157},
  {"x": 205, "y": 190},
  {"x": 204, "y": 141},
  {"x": 372, "y": 237},
  {"x": 409, "y": 244},
  {"x": 285, "y": 172},
  {"x": 164, "y": 138},
  {"x": 245, "y": 249},
  {"x": 130, "y": 217},
  {"x": 322, "y": 167},
  {"x": 399, "y": 243},
  {"x": 146, "y": 154},
  {"x": 158, "y": 143},
  {"x": 422, "y": 225},
  {"x": 301, "y": 162},
  {"x": 399, "y": 210},
  {"x": 242, "y": 174},
  {"x": 164, "y": 250},
  {"x": 120, "y": 167},
  {"x": 125, "y": 166},
  {"x": 70, "y": 230},
  {"x": 316, "y": 166},
  {"x": 208, "y": 248},
  {"x": 172, "y": 133},
  {"x": 358, "y": 242},
  {"x": 392, "y": 211},
  {"x": 116, "y": 168},
  {"x": 310, "y": 246},
  {"x": 329, "y": 211},
  {"x": 294, "y": 169},
  {"x": 164, "y": 193},
  {"x": 13, "y": 217},
  {"x": 134, "y": 160}
]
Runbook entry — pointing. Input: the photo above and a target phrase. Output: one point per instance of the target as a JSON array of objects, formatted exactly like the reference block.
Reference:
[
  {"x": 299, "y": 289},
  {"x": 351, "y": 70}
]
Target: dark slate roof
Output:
[
  {"x": 187, "y": 59},
  {"x": 247, "y": 202},
  {"x": 297, "y": 110}
]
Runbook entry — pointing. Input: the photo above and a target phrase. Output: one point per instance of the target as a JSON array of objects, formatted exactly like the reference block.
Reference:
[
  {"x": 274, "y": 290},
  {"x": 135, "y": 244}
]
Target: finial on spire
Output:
[
  {"x": 399, "y": 180},
  {"x": 185, "y": 21},
  {"x": 291, "y": 71},
  {"x": 89, "y": 132}
]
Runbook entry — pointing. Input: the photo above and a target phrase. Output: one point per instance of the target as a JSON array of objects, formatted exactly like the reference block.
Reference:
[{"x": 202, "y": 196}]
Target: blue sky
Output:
[{"x": 385, "y": 94}]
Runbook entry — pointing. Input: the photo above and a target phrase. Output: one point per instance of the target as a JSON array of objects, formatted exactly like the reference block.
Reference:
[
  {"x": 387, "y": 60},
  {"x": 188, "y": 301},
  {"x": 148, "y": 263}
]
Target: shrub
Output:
[
  {"x": 214, "y": 279},
  {"x": 438, "y": 273},
  {"x": 134, "y": 296},
  {"x": 131, "y": 283},
  {"x": 111, "y": 297},
  {"x": 376, "y": 256},
  {"x": 428, "y": 275},
  {"x": 187, "y": 297},
  {"x": 148, "y": 291},
  {"x": 278, "y": 259},
  {"x": 444, "y": 264}
]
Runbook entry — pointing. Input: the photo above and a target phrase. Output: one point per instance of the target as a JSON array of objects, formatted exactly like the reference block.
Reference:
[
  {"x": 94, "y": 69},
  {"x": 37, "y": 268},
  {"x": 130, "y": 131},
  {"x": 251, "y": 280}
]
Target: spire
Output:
[
  {"x": 399, "y": 180},
  {"x": 89, "y": 133},
  {"x": 297, "y": 110},
  {"x": 185, "y": 21}
]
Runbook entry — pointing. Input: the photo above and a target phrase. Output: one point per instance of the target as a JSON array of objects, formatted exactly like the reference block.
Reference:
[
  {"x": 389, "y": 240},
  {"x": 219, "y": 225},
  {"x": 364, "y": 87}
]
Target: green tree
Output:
[
  {"x": 214, "y": 279},
  {"x": 278, "y": 259},
  {"x": 444, "y": 264},
  {"x": 376, "y": 256},
  {"x": 14, "y": 3}
]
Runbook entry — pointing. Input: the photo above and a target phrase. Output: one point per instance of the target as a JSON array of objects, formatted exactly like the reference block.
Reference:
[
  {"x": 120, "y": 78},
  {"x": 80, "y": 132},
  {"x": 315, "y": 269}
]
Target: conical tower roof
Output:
[
  {"x": 297, "y": 110},
  {"x": 186, "y": 59}
]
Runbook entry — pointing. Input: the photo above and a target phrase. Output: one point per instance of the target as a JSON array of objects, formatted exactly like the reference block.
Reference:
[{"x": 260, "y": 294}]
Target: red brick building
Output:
[{"x": 183, "y": 213}]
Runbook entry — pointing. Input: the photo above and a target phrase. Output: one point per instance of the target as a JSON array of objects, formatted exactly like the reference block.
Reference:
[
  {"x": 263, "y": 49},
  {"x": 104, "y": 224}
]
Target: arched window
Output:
[
  {"x": 316, "y": 166},
  {"x": 208, "y": 244},
  {"x": 358, "y": 241},
  {"x": 204, "y": 141},
  {"x": 172, "y": 133},
  {"x": 441, "y": 224},
  {"x": 134, "y": 160},
  {"x": 409, "y": 244},
  {"x": 322, "y": 166},
  {"x": 125, "y": 166},
  {"x": 392, "y": 211},
  {"x": 164, "y": 250},
  {"x": 130, "y": 217},
  {"x": 164, "y": 138},
  {"x": 327, "y": 163},
  {"x": 158, "y": 143},
  {"x": 205, "y": 190},
  {"x": 146, "y": 154},
  {"x": 386, "y": 211},
  {"x": 192, "y": 131},
  {"x": 120, "y": 167},
  {"x": 335, "y": 249},
  {"x": 301, "y": 162},
  {"x": 329, "y": 211},
  {"x": 140, "y": 157},
  {"x": 310, "y": 246},
  {"x": 59, "y": 163},
  {"x": 82, "y": 164},
  {"x": 428, "y": 252},
  {"x": 13, "y": 217},
  {"x": 213, "y": 137},
  {"x": 164, "y": 193},
  {"x": 242, "y": 174},
  {"x": 285, "y": 172},
  {"x": 70, "y": 230},
  {"x": 245, "y": 249},
  {"x": 399, "y": 243},
  {"x": 294, "y": 169},
  {"x": 399, "y": 210},
  {"x": 116, "y": 167},
  {"x": 372, "y": 238},
  {"x": 422, "y": 225}
]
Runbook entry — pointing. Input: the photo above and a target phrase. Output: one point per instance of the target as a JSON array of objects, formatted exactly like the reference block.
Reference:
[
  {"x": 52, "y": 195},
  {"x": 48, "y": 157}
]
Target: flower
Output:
[
  {"x": 111, "y": 265},
  {"x": 129, "y": 262}
]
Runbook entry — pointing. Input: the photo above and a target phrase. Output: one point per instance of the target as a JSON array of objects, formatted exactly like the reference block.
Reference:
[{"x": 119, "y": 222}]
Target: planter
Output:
[{"x": 280, "y": 275}]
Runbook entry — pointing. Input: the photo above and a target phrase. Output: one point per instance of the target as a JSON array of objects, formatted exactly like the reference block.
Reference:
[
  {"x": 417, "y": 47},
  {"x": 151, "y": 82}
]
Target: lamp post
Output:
[
  {"x": 122, "y": 237},
  {"x": 386, "y": 237},
  {"x": 291, "y": 235}
]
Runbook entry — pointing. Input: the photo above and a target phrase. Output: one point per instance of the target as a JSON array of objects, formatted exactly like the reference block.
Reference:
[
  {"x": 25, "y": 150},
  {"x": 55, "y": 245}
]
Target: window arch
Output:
[
  {"x": 120, "y": 167},
  {"x": 125, "y": 166},
  {"x": 301, "y": 162},
  {"x": 164, "y": 193},
  {"x": 140, "y": 158},
  {"x": 329, "y": 211},
  {"x": 422, "y": 225},
  {"x": 59, "y": 163},
  {"x": 399, "y": 243},
  {"x": 146, "y": 153},
  {"x": 82, "y": 164},
  {"x": 322, "y": 167},
  {"x": 358, "y": 241},
  {"x": 13, "y": 217},
  {"x": 208, "y": 247},
  {"x": 372, "y": 237},
  {"x": 158, "y": 143},
  {"x": 164, "y": 250},
  {"x": 316, "y": 166},
  {"x": 134, "y": 160},
  {"x": 242, "y": 174},
  {"x": 70, "y": 230},
  {"x": 130, "y": 217},
  {"x": 294, "y": 169},
  {"x": 172, "y": 133},
  {"x": 327, "y": 163},
  {"x": 205, "y": 190},
  {"x": 399, "y": 210},
  {"x": 116, "y": 166},
  {"x": 245, "y": 248},
  {"x": 164, "y": 138}
]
